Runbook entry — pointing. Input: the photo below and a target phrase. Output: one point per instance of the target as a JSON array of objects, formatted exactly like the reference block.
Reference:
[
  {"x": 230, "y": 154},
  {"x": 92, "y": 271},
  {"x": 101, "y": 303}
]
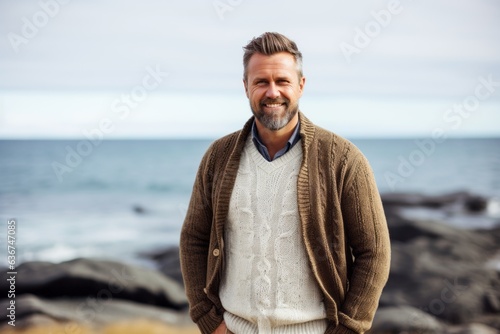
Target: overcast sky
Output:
[{"x": 173, "y": 68}]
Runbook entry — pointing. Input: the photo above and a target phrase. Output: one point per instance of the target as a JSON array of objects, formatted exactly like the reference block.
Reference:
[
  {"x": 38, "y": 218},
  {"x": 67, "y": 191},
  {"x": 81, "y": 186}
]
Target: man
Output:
[{"x": 285, "y": 231}]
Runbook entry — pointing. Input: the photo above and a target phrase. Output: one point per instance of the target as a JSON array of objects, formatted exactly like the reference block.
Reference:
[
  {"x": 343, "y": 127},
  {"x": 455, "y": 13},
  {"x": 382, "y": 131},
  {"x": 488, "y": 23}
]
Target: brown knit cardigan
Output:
[{"x": 342, "y": 222}]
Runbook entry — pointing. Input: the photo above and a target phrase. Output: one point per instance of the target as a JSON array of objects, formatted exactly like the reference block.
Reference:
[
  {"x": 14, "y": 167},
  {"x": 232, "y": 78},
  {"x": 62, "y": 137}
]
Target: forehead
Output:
[{"x": 282, "y": 63}]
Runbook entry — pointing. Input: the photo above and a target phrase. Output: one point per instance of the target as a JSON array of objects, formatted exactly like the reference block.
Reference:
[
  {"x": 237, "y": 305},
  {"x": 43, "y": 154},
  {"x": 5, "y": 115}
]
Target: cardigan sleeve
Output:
[
  {"x": 194, "y": 247},
  {"x": 368, "y": 237}
]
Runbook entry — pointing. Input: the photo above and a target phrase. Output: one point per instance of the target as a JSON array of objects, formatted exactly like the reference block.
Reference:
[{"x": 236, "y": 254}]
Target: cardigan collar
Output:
[{"x": 306, "y": 133}]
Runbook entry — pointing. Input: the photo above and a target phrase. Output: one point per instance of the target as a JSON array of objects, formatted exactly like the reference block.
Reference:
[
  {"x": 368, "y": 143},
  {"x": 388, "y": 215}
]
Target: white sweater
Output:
[{"x": 267, "y": 284}]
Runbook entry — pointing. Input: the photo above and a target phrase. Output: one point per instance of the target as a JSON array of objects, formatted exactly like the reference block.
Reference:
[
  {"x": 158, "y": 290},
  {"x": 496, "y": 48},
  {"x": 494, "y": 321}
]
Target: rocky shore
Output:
[{"x": 443, "y": 279}]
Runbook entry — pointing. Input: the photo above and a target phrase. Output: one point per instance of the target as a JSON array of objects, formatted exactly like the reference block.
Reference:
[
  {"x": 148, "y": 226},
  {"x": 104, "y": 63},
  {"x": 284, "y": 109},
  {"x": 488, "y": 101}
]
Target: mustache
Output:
[{"x": 274, "y": 101}]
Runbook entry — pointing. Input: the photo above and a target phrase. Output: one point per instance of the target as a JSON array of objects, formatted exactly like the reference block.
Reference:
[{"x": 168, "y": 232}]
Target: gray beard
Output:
[{"x": 272, "y": 121}]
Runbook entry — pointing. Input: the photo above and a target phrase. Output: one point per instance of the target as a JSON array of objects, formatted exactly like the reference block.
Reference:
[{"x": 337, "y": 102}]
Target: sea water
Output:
[{"x": 126, "y": 197}]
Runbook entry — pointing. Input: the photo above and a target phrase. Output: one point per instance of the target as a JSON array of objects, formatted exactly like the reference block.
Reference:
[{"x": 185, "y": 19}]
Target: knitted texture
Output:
[
  {"x": 266, "y": 262},
  {"x": 341, "y": 219}
]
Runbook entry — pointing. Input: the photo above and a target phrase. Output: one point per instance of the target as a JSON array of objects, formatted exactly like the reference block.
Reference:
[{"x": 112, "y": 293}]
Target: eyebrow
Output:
[{"x": 277, "y": 79}]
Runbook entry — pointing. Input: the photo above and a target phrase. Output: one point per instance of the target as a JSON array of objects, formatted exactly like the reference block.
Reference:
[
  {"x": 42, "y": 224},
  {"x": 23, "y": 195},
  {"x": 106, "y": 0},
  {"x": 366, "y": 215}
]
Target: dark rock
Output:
[
  {"x": 441, "y": 269},
  {"x": 32, "y": 310},
  {"x": 472, "y": 329},
  {"x": 138, "y": 209},
  {"x": 424, "y": 277},
  {"x": 98, "y": 279},
  {"x": 453, "y": 204},
  {"x": 405, "y": 230},
  {"x": 490, "y": 320},
  {"x": 405, "y": 319},
  {"x": 168, "y": 262},
  {"x": 476, "y": 204},
  {"x": 412, "y": 199},
  {"x": 492, "y": 301}
]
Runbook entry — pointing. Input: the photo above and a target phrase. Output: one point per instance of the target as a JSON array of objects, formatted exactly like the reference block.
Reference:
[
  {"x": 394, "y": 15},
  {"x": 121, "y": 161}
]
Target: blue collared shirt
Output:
[{"x": 294, "y": 138}]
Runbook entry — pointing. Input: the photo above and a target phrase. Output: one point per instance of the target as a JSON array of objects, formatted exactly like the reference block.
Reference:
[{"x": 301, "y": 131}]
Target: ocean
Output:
[{"x": 118, "y": 199}]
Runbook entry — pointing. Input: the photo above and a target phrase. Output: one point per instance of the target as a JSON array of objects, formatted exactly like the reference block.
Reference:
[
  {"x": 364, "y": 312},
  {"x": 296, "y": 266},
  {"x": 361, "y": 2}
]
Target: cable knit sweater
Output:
[
  {"x": 266, "y": 262},
  {"x": 342, "y": 223}
]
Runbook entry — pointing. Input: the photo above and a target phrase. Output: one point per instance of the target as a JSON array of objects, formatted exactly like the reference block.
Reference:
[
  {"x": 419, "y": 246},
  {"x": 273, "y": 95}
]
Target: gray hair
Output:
[{"x": 268, "y": 44}]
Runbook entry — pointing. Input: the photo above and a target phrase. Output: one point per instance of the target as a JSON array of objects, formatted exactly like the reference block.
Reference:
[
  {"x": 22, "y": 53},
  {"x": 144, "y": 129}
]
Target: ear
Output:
[
  {"x": 245, "y": 84},
  {"x": 302, "y": 83}
]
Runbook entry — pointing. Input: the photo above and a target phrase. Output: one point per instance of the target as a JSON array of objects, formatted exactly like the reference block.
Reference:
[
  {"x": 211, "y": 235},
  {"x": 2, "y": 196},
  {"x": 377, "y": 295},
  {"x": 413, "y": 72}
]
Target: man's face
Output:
[{"x": 273, "y": 88}]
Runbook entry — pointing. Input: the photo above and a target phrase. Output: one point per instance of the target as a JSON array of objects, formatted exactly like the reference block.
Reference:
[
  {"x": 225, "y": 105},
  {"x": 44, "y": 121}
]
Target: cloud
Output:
[{"x": 427, "y": 50}]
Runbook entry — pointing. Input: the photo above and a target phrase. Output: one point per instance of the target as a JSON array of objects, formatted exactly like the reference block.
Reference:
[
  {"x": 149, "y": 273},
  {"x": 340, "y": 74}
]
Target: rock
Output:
[
  {"x": 404, "y": 319},
  {"x": 441, "y": 269},
  {"x": 32, "y": 320},
  {"x": 490, "y": 320},
  {"x": 472, "y": 329},
  {"x": 492, "y": 301},
  {"x": 443, "y": 277},
  {"x": 99, "y": 279},
  {"x": 33, "y": 310},
  {"x": 412, "y": 199},
  {"x": 467, "y": 242},
  {"x": 168, "y": 262},
  {"x": 457, "y": 209},
  {"x": 138, "y": 209},
  {"x": 476, "y": 204}
]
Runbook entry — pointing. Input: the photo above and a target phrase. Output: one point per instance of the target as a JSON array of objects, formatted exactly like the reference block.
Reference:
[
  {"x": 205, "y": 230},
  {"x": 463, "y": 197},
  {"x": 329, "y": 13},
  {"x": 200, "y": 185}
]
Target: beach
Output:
[
  {"x": 443, "y": 279},
  {"x": 98, "y": 251}
]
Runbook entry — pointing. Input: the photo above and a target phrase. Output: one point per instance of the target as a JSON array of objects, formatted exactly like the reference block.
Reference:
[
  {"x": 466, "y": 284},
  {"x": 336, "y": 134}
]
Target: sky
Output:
[{"x": 173, "y": 69}]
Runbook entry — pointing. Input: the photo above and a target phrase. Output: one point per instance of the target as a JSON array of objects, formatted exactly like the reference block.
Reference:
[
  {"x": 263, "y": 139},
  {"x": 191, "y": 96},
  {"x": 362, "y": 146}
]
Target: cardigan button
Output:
[{"x": 216, "y": 252}]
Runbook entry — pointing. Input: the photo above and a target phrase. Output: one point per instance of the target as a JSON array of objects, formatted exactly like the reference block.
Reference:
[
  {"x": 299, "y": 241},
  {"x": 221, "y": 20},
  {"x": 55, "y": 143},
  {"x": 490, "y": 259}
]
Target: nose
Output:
[{"x": 272, "y": 91}]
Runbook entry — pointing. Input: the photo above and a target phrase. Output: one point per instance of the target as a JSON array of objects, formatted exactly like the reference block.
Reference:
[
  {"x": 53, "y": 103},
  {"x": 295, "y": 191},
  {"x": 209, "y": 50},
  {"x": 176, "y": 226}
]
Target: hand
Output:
[{"x": 221, "y": 329}]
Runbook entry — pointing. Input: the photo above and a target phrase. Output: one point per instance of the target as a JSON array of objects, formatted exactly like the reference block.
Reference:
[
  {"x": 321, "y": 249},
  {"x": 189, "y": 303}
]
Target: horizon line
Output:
[{"x": 145, "y": 138}]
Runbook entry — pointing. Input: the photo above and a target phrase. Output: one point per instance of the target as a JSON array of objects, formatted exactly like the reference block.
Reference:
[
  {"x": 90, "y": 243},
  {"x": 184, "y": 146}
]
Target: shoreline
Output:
[{"x": 428, "y": 256}]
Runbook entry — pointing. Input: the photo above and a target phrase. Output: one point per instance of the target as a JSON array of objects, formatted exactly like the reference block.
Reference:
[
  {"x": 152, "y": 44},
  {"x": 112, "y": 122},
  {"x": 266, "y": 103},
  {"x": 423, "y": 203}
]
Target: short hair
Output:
[{"x": 268, "y": 44}]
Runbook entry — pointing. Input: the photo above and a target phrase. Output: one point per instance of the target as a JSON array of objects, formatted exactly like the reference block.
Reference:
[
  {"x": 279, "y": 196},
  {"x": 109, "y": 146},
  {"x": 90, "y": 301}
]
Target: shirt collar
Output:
[{"x": 294, "y": 138}]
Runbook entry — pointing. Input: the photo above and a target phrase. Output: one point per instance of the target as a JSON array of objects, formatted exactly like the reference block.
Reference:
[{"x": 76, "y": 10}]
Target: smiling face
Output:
[{"x": 273, "y": 86}]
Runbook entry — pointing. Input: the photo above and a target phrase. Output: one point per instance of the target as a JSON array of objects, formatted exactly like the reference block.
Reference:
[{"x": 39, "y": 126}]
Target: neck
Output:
[{"x": 275, "y": 140}]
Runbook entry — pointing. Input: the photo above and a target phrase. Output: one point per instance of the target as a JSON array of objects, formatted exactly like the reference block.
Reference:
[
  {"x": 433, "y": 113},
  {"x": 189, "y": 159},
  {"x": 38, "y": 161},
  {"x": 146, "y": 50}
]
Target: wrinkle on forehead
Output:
[{"x": 279, "y": 65}]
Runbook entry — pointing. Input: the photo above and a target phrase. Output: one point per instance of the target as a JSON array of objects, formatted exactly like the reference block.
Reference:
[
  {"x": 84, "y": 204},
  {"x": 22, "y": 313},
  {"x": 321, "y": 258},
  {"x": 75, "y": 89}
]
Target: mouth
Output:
[{"x": 273, "y": 105}]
